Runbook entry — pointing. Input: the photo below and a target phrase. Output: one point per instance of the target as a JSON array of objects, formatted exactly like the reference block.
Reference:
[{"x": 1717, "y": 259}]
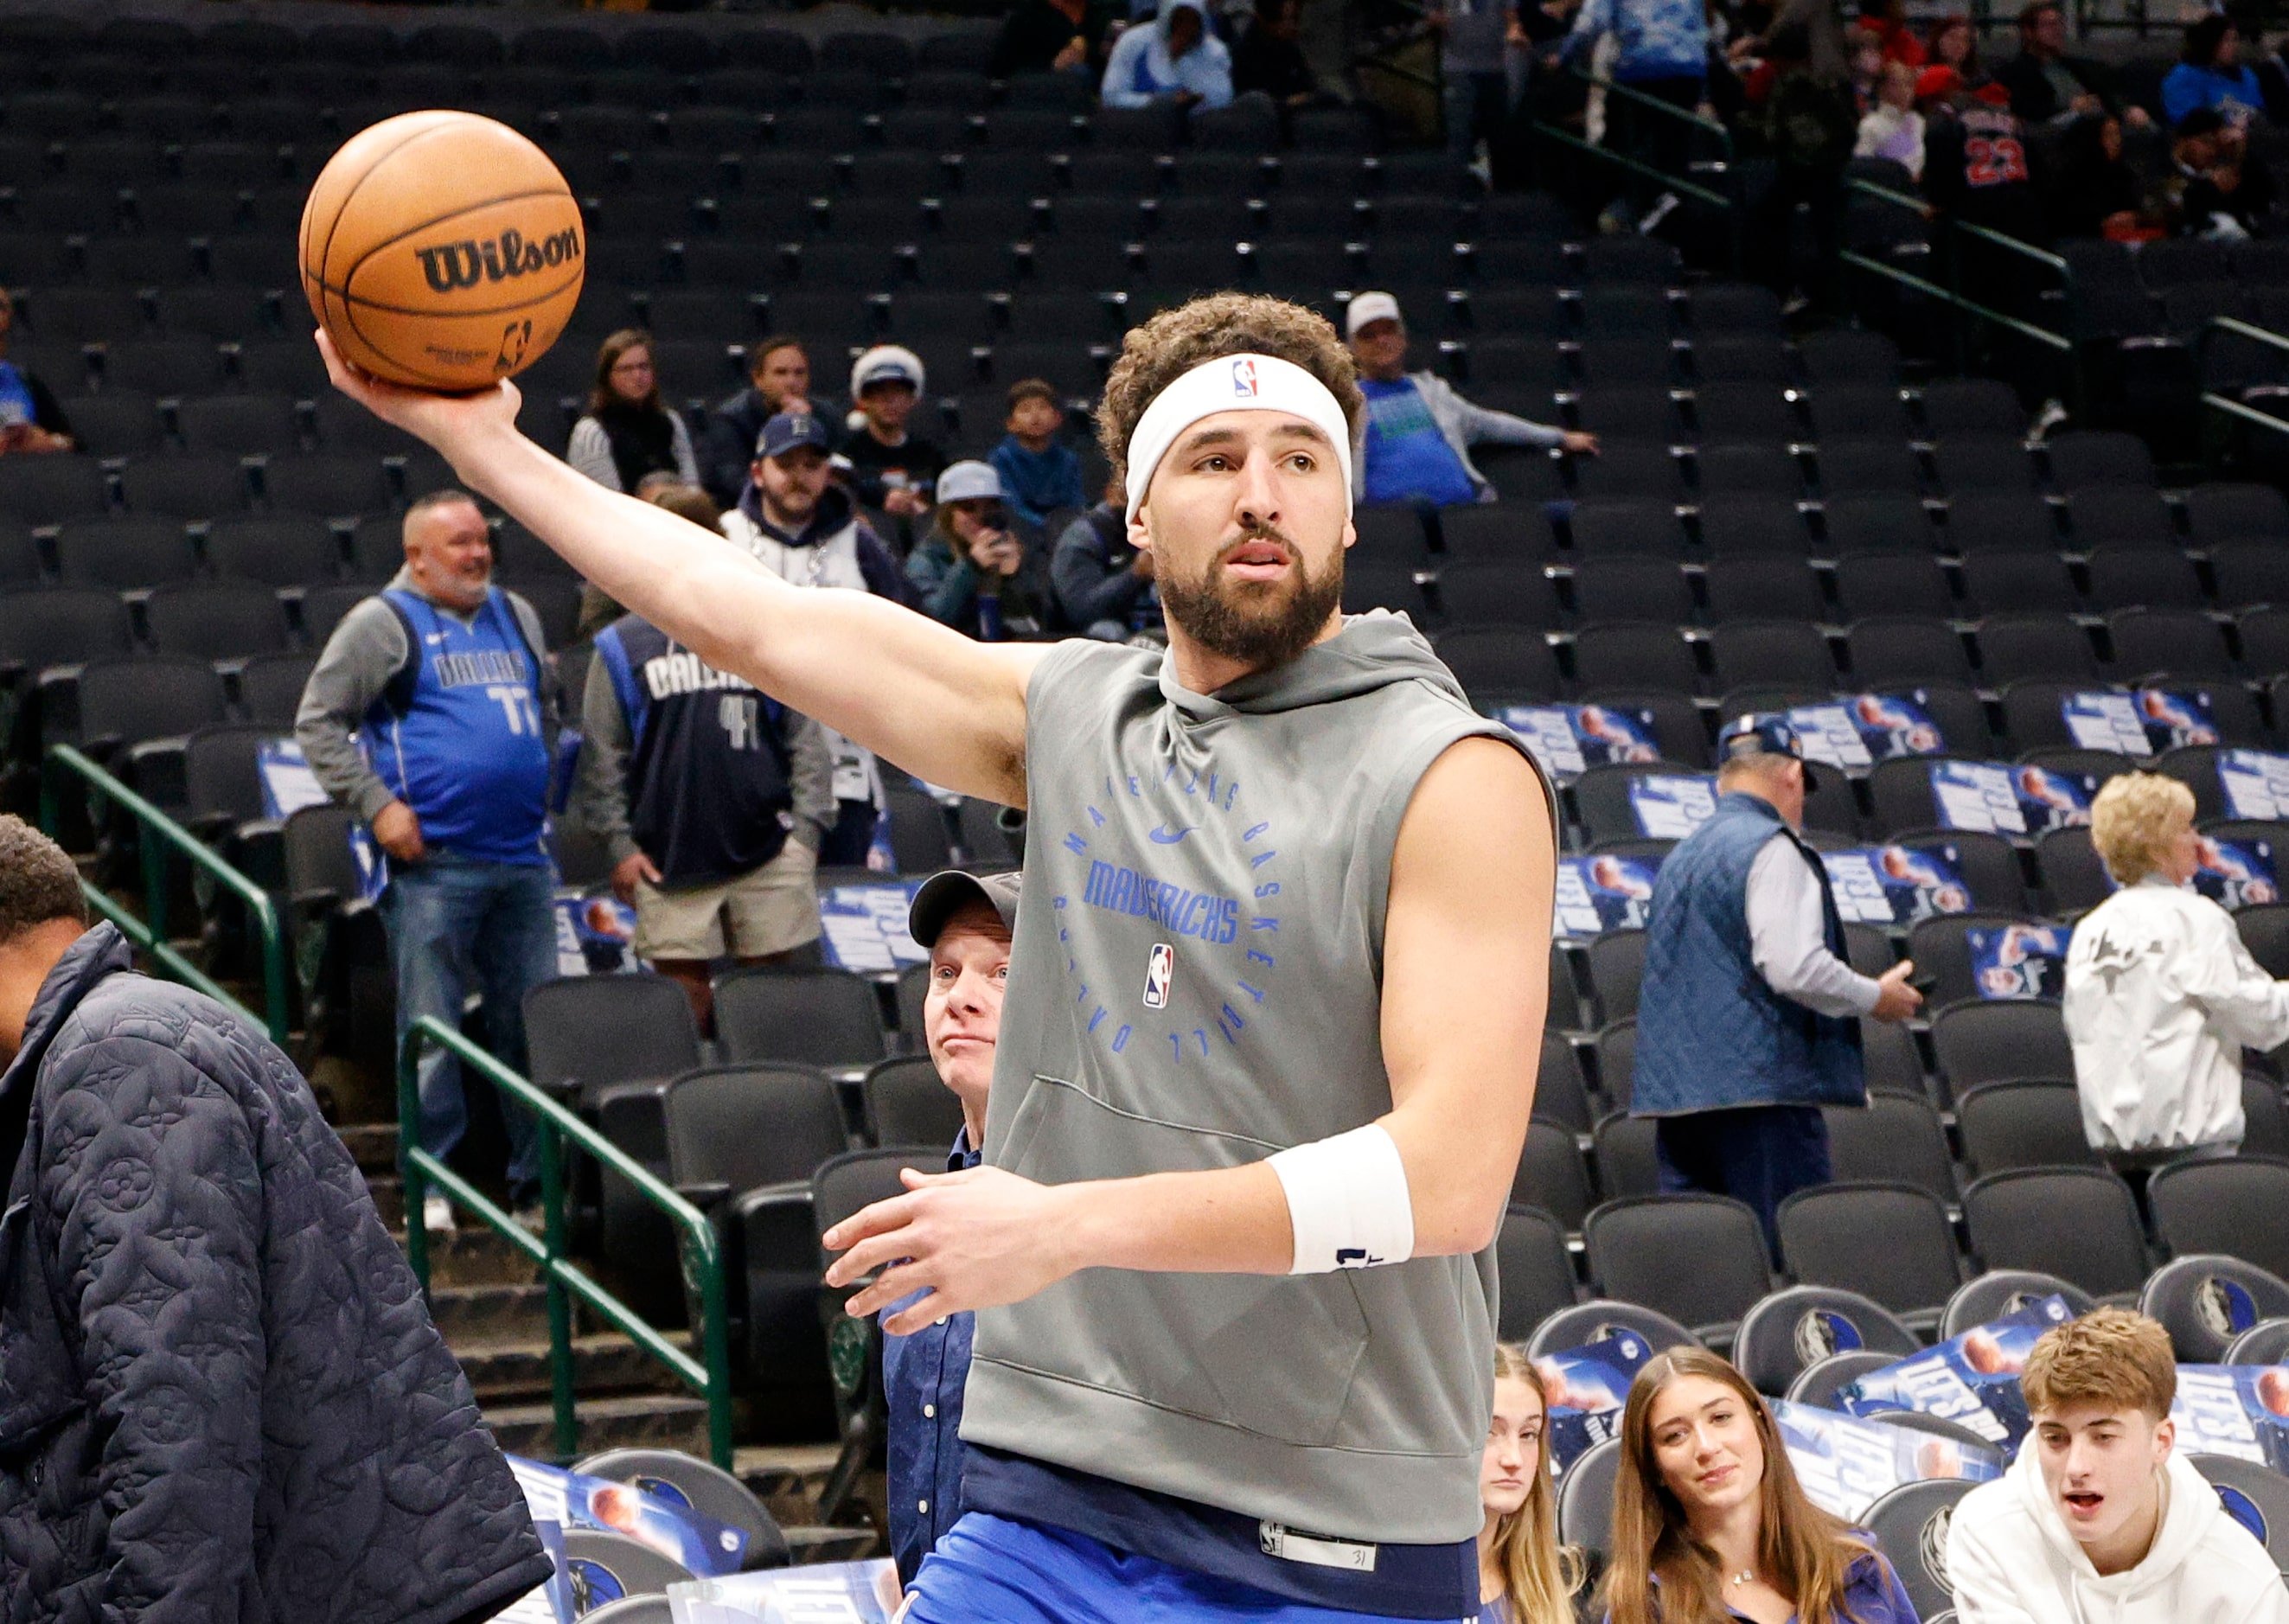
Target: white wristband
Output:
[{"x": 1347, "y": 1201}]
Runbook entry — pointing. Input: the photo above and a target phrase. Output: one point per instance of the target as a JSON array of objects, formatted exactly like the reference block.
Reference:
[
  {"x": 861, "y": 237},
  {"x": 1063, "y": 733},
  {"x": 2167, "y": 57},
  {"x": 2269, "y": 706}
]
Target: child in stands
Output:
[{"x": 2099, "y": 1517}]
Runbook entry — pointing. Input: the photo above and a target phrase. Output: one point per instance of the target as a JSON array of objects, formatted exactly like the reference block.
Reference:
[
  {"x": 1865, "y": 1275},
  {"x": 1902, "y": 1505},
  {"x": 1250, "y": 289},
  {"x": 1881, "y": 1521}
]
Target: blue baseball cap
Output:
[
  {"x": 787, "y": 430},
  {"x": 1761, "y": 733}
]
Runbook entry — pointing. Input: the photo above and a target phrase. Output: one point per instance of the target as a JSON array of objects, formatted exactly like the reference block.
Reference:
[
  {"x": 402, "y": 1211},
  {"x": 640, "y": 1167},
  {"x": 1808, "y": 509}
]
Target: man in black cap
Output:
[
  {"x": 966, "y": 921},
  {"x": 1748, "y": 1014}
]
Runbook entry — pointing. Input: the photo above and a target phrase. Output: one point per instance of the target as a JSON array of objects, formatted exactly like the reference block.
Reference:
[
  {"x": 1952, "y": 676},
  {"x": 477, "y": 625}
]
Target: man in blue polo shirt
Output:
[
  {"x": 966, "y": 921},
  {"x": 1419, "y": 432}
]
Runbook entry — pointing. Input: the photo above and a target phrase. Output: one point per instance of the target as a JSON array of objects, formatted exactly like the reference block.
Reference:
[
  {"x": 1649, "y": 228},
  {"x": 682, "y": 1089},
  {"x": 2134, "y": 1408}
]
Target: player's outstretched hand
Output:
[
  {"x": 435, "y": 418},
  {"x": 973, "y": 1239}
]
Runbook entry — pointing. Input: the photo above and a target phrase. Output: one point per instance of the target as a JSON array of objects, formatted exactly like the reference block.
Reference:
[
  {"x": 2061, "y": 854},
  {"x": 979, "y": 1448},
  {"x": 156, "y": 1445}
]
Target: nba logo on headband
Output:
[{"x": 1243, "y": 379}]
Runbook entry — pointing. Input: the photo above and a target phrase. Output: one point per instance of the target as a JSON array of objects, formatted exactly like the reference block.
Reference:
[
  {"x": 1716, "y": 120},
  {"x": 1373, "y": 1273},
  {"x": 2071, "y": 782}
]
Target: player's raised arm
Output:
[{"x": 928, "y": 698}]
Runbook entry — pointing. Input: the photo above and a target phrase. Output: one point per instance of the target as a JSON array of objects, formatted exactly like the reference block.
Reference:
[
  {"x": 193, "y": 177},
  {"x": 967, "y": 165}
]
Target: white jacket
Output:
[
  {"x": 2161, "y": 998},
  {"x": 2010, "y": 1560}
]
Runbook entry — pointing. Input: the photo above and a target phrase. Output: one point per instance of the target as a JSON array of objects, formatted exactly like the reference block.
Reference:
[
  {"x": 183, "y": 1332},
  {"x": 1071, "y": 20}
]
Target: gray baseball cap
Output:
[{"x": 949, "y": 891}]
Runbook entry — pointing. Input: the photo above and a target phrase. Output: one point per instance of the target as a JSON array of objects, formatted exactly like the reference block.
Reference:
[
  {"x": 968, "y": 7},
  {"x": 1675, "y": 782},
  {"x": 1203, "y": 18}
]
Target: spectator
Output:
[
  {"x": 1867, "y": 57},
  {"x": 2097, "y": 194},
  {"x": 2220, "y": 189},
  {"x": 1040, "y": 473},
  {"x": 974, "y": 572},
  {"x": 1745, "y": 1022},
  {"x": 712, "y": 799},
  {"x": 803, "y": 529},
  {"x": 597, "y": 609},
  {"x": 226, "y": 1399},
  {"x": 1419, "y": 432},
  {"x": 2099, "y": 1516},
  {"x": 1662, "y": 52},
  {"x": 2046, "y": 85},
  {"x": 965, "y": 921},
  {"x": 1710, "y": 1521},
  {"x": 627, "y": 433},
  {"x": 1524, "y": 1576},
  {"x": 1270, "y": 56},
  {"x": 1043, "y": 36},
  {"x": 1172, "y": 59},
  {"x": 30, "y": 418},
  {"x": 1955, "y": 43},
  {"x": 2211, "y": 74},
  {"x": 1887, "y": 21},
  {"x": 1810, "y": 127},
  {"x": 1473, "y": 49},
  {"x": 2161, "y": 996},
  {"x": 778, "y": 379},
  {"x": 1892, "y": 129},
  {"x": 890, "y": 470},
  {"x": 439, "y": 674},
  {"x": 1104, "y": 583}
]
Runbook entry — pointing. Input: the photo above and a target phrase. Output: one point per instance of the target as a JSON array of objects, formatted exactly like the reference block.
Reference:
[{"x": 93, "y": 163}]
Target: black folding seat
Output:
[
  {"x": 1897, "y": 584},
  {"x": 2183, "y": 642},
  {"x": 1629, "y": 258},
  {"x": 2034, "y": 711},
  {"x": 1669, "y": 714},
  {"x": 1561, "y": 1094},
  {"x": 2251, "y": 572},
  {"x": 127, "y": 703},
  {"x": 217, "y": 620},
  {"x": 1497, "y": 595},
  {"x": 1374, "y": 586},
  {"x": 270, "y": 687},
  {"x": 1622, "y": 586},
  {"x": 823, "y": 1017},
  {"x": 1783, "y": 651},
  {"x": 1519, "y": 362},
  {"x": 82, "y": 315},
  {"x": 1896, "y": 1138},
  {"x": 2264, "y": 639},
  {"x": 1550, "y": 1176},
  {"x": 1626, "y": 311},
  {"x": 116, "y": 425},
  {"x": 1868, "y": 467},
  {"x": 281, "y": 551},
  {"x": 1954, "y": 708},
  {"x": 1633, "y": 652},
  {"x": 1622, "y": 471},
  {"x": 2033, "y": 645},
  {"x": 2072, "y": 876},
  {"x": 1536, "y": 1273},
  {"x": 1748, "y": 410},
  {"x": 42, "y": 626},
  {"x": 1617, "y": 960},
  {"x": 1605, "y": 528},
  {"x": 2223, "y": 512},
  {"x": 2001, "y": 521},
  {"x": 1749, "y": 470},
  {"x": 1510, "y": 261},
  {"x": 1972, "y": 406},
  {"x": 1519, "y": 312},
  {"x": 2084, "y": 458},
  {"x": 2079, "y": 1224},
  {"x": 1633, "y": 1244},
  {"x": 1848, "y": 356},
  {"x": 1890, "y": 1242},
  {"x": 1490, "y": 532},
  {"x": 2024, "y": 1122},
  {"x": 276, "y": 366},
  {"x": 1998, "y": 1041},
  {"x": 323, "y": 607},
  {"x": 1988, "y": 863},
  {"x": 2121, "y": 516},
  {"x": 2185, "y": 1294},
  {"x": 1785, "y": 1331},
  {"x": 240, "y": 425},
  {"x": 125, "y": 553},
  {"x": 115, "y": 161},
  {"x": 588, "y": 1036},
  {"x": 1886, "y": 650},
  {"x": 1981, "y": 463},
  {"x": 1603, "y": 803},
  {"x": 1901, "y": 791},
  {"x": 1842, "y": 410},
  {"x": 1878, "y": 524},
  {"x": 1752, "y": 588},
  {"x": 1497, "y": 665},
  {"x": 2030, "y": 583},
  {"x": 1623, "y": 413},
  {"x": 2229, "y": 1205},
  {"x": 1142, "y": 131},
  {"x": 185, "y": 487},
  {"x": 2144, "y": 577}
]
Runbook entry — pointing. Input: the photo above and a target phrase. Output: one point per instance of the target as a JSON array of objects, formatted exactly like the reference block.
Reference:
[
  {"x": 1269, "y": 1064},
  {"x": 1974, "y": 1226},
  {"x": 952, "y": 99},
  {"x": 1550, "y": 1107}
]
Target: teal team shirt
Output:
[{"x": 1408, "y": 458}]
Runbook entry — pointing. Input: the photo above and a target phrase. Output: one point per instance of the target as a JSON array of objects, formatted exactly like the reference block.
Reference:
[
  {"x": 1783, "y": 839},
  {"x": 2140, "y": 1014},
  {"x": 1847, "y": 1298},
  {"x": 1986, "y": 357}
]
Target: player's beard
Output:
[{"x": 1257, "y": 623}]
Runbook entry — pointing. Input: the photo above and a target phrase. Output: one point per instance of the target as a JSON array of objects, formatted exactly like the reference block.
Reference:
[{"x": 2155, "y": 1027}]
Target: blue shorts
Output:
[{"x": 993, "y": 1570}]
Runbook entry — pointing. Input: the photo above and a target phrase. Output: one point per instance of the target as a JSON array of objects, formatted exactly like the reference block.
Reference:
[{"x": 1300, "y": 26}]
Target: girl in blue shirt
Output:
[
  {"x": 1524, "y": 1576},
  {"x": 2211, "y": 74},
  {"x": 1710, "y": 1523}
]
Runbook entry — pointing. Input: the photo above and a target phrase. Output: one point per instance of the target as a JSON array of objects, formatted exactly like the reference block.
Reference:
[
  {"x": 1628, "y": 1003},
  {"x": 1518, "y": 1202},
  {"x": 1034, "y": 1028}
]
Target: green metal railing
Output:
[
  {"x": 159, "y": 839},
  {"x": 2226, "y": 404},
  {"x": 709, "y": 1375},
  {"x": 1725, "y": 202}
]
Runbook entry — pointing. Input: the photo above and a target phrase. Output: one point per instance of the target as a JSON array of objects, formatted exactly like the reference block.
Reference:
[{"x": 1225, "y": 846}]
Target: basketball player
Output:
[{"x": 1275, "y": 1006}]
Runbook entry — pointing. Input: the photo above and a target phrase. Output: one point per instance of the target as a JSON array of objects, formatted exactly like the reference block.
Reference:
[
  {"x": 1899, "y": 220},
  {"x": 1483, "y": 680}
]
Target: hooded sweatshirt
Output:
[
  {"x": 1196, "y": 983},
  {"x": 2011, "y": 1560},
  {"x": 1140, "y": 71}
]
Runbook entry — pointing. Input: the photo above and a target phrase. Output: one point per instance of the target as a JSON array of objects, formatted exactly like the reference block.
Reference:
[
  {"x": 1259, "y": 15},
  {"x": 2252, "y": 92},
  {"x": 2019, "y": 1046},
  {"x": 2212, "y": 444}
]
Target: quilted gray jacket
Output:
[{"x": 220, "y": 1395}]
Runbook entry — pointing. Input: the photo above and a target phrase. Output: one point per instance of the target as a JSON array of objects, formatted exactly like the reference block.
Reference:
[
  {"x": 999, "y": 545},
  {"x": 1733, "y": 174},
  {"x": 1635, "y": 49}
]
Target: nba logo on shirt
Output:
[
  {"x": 1243, "y": 382},
  {"x": 1159, "y": 970}
]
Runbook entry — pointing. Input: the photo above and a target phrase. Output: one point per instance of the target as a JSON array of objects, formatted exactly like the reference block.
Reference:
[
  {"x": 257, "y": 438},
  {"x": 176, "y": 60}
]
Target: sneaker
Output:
[{"x": 438, "y": 1214}]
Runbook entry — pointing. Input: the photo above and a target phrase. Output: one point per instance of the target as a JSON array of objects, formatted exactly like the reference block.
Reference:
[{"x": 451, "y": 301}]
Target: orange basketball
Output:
[{"x": 442, "y": 249}]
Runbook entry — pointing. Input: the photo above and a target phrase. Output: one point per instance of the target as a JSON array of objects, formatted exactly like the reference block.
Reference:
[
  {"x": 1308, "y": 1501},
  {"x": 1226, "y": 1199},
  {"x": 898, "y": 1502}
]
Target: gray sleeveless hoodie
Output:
[{"x": 1196, "y": 984}]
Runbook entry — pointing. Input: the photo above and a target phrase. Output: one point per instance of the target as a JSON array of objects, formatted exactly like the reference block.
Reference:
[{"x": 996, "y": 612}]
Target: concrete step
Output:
[
  {"x": 786, "y": 1477},
  {"x": 475, "y": 1317},
  {"x": 474, "y": 1255},
  {"x": 372, "y": 1145},
  {"x": 604, "y": 1363},
  {"x": 388, "y": 1193},
  {"x": 645, "y": 1420}
]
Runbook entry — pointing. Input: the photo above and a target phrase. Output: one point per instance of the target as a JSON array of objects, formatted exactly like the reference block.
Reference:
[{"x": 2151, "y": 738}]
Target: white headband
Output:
[{"x": 1233, "y": 383}]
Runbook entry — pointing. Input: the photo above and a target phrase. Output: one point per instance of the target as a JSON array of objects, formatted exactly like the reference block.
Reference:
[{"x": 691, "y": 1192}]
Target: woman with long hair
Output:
[
  {"x": 626, "y": 432},
  {"x": 1710, "y": 1523},
  {"x": 1524, "y": 1576}
]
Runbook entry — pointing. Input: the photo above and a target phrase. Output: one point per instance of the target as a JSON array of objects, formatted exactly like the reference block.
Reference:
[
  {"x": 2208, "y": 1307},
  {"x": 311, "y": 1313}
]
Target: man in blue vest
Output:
[
  {"x": 1748, "y": 1019},
  {"x": 423, "y": 717}
]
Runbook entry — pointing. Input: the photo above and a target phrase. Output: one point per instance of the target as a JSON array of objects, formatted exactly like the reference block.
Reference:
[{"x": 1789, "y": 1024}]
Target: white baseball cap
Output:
[
  {"x": 970, "y": 481},
  {"x": 886, "y": 363},
  {"x": 1367, "y": 307}
]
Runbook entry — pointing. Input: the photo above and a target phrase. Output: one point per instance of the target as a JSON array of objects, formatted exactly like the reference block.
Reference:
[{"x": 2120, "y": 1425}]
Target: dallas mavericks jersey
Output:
[{"x": 456, "y": 734}]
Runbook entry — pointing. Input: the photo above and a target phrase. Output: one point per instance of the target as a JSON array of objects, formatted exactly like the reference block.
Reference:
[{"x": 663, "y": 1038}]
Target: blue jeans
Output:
[{"x": 452, "y": 922}]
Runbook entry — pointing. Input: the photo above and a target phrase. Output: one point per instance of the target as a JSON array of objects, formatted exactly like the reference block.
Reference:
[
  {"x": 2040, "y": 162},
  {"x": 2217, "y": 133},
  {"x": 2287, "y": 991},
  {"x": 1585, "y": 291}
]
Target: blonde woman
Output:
[
  {"x": 1525, "y": 1577},
  {"x": 2161, "y": 996},
  {"x": 1709, "y": 1524}
]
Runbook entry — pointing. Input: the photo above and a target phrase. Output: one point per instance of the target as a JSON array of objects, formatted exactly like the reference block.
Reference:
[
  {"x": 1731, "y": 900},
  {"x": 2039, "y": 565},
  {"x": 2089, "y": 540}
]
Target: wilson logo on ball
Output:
[{"x": 462, "y": 264}]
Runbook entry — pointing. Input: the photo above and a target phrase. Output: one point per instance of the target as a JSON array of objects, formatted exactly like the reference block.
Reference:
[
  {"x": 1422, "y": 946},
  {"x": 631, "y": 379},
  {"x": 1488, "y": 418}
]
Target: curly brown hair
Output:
[
  {"x": 38, "y": 882},
  {"x": 1161, "y": 351}
]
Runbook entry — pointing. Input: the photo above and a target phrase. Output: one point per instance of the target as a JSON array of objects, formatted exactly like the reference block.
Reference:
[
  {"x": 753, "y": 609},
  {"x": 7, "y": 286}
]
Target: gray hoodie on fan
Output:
[{"x": 1196, "y": 983}]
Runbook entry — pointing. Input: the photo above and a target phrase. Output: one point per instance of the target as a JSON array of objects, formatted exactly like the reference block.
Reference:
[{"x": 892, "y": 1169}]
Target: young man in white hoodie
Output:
[{"x": 2099, "y": 1518}]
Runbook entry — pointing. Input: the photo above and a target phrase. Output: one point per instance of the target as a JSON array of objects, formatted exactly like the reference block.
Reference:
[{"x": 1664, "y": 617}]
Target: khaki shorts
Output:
[{"x": 767, "y": 911}]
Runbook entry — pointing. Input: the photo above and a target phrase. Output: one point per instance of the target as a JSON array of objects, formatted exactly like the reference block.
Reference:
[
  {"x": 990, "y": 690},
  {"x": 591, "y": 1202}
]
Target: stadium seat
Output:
[
  {"x": 1561, "y": 1094},
  {"x": 1791, "y": 1329},
  {"x": 1893, "y": 584},
  {"x": 2251, "y": 1492},
  {"x": 1535, "y": 1271},
  {"x": 1585, "y": 1499},
  {"x": 2034, "y": 645},
  {"x": 1787, "y": 652},
  {"x": 1501, "y": 664},
  {"x": 1910, "y": 1525},
  {"x": 706, "y": 1488},
  {"x": 1887, "y": 1051},
  {"x": 1551, "y": 1176},
  {"x": 1999, "y": 1292},
  {"x": 1979, "y": 463},
  {"x": 2022, "y": 1123},
  {"x": 1601, "y": 798},
  {"x": 2079, "y": 1224},
  {"x": 40, "y": 490},
  {"x": 1753, "y": 527},
  {"x": 2082, "y": 458},
  {"x": 2018, "y": 583},
  {"x": 822, "y": 1017},
  {"x": 1633, "y": 653},
  {"x": 1888, "y": 1242},
  {"x": 1893, "y": 650},
  {"x": 1971, "y": 406},
  {"x": 2072, "y": 876},
  {"x": 1616, "y": 964},
  {"x": 2223, "y": 512},
  {"x": 1607, "y": 526},
  {"x": 1607, "y": 586},
  {"x": 2266, "y": 1343},
  {"x": 1597, "y": 1318},
  {"x": 2229, "y": 1205},
  {"x": 1892, "y": 1138},
  {"x": 1628, "y": 1162},
  {"x": 2001, "y": 521},
  {"x": 2133, "y": 520},
  {"x": 1986, "y": 1042},
  {"x": 1753, "y": 588},
  {"x": 586, "y": 1036},
  {"x": 217, "y": 620},
  {"x": 1820, "y": 1382},
  {"x": 905, "y": 1102},
  {"x": 2206, "y": 1300},
  {"x": 1632, "y": 1245},
  {"x": 125, "y": 554},
  {"x": 2183, "y": 642}
]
